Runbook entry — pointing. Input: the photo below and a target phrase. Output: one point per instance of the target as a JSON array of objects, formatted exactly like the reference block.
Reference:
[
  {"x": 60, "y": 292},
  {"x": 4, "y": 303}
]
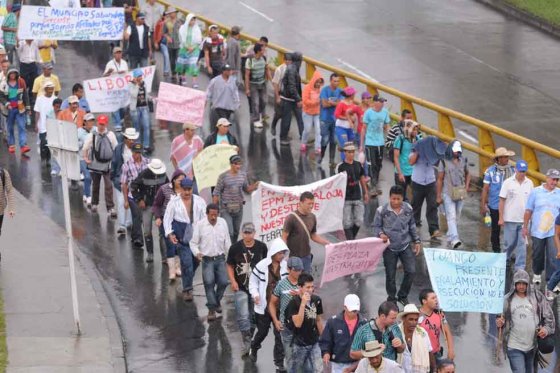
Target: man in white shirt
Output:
[
  {"x": 29, "y": 57},
  {"x": 513, "y": 198},
  {"x": 374, "y": 362},
  {"x": 153, "y": 12},
  {"x": 117, "y": 65},
  {"x": 182, "y": 212},
  {"x": 42, "y": 107},
  {"x": 210, "y": 244}
]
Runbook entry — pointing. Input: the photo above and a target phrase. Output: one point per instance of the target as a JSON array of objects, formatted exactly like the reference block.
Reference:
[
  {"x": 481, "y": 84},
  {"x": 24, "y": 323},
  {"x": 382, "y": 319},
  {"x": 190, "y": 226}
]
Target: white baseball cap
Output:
[{"x": 352, "y": 302}]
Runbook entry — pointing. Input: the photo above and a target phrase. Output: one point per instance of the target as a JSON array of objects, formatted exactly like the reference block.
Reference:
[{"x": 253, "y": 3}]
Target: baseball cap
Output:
[
  {"x": 141, "y": 15},
  {"x": 212, "y": 27},
  {"x": 295, "y": 263},
  {"x": 248, "y": 228},
  {"x": 349, "y": 91},
  {"x": 226, "y": 67},
  {"x": 103, "y": 119},
  {"x": 47, "y": 65},
  {"x": 379, "y": 98},
  {"x": 236, "y": 158},
  {"x": 188, "y": 126},
  {"x": 223, "y": 122},
  {"x": 117, "y": 49},
  {"x": 73, "y": 99},
  {"x": 352, "y": 302},
  {"x": 521, "y": 165},
  {"x": 137, "y": 148},
  {"x": 89, "y": 116},
  {"x": 553, "y": 173},
  {"x": 186, "y": 183},
  {"x": 366, "y": 95},
  {"x": 456, "y": 147},
  {"x": 236, "y": 30},
  {"x": 137, "y": 73},
  {"x": 48, "y": 84}
]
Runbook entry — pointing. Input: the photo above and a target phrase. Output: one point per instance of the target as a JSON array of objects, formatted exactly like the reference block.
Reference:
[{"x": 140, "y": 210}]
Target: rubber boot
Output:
[
  {"x": 177, "y": 266},
  {"x": 171, "y": 269},
  {"x": 349, "y": 233},
  {"x": 149, "y": 240},
  {"x": 355, "y": 230}
]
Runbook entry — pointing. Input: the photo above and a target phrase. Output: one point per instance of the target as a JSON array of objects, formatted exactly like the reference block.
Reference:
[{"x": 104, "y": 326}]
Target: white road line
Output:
[
  {"x": 356, "y": 69},
  {"x": 468, "y": 137},
  {"x": 256, "y": 11}
]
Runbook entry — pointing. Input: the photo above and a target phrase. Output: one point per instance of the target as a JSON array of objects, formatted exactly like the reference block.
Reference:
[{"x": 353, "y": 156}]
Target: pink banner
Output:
[
  {"x": 180, "y": 104},
  {"x": 349, "y": 257}
]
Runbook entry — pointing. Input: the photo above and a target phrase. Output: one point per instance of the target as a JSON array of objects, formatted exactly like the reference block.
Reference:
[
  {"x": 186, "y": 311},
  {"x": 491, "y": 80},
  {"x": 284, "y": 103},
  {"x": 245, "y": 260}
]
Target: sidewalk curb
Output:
[{"x": 523, "y": 16}]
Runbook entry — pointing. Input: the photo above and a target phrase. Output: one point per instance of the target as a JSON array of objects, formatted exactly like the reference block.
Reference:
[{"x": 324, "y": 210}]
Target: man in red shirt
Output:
[{"x": 433, "y": 320}]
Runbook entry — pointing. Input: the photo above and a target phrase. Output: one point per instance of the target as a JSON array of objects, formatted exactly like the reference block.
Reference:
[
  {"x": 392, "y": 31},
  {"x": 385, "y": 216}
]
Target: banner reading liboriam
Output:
[
  {"x": 272, "y": 203},
  {"x": 467, "y": 281},
  {"x": 43, "y": 22},
  {"x": 111, "y": 93}
]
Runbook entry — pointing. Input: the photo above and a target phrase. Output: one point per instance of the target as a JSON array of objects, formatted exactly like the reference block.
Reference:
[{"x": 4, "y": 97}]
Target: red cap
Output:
[{"x": 103, "y": 119}]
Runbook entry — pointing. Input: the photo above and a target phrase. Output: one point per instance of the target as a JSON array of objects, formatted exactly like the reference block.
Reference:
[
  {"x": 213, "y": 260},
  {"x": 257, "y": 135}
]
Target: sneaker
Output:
[
  {"x": 25, "y": 149},
  {"x": 121, "y": 231},
  {"x": 88, "y": 202},
  {"x": 54, "y": 173},
  {"x": 258, "y": 124},
  {"x": 556, "y": 290},
  {"x": 138, "y": 243},
  {"x": 253, "y": 355},
  {"x": 84, "y": 198},
  {"x": 303, "y": 148},
  {"x": 211, "y": 316},
  {"x": 188, "y": 296},
  {"x": 403, "y": 301},
  {"x": 455, "y": 244},
  {"x": 537, "y": 279},
  {"x": 113, "y": 213},
  {"x": 549, "y": 295},
  {"x": 12, "y": 149},
  {"x": 150, "y": 258},
  {"x": 280, "y": 368},
  {"x": 93, "y": 208},
  {"x": 219, "y": 309}
]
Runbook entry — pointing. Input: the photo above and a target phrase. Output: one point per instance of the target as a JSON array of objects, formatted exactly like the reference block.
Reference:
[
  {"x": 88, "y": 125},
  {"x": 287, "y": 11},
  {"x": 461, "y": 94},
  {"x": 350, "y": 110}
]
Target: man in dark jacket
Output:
[
  {"x": 337, "y": 337},
  {"x": 122, "y": 153},
  {"x": 290, "y": 97},
  {"x": 144, "y": 189},
  {"x": 139, "y": 47},
  {"x": 221, "y": 135}
]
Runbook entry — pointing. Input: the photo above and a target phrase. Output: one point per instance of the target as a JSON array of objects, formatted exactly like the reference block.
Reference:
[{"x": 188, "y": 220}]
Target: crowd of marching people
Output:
[{"x": 273, "y": 287}]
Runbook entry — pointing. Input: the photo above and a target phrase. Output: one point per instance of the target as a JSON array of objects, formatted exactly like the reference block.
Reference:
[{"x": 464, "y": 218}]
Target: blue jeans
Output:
[
  {"x": 244, "y": 309},
  {"x": 16, "y": 118},
  {"x": 408, "y": 260},
  {"x": 233, "y": 222},
  {"x": 87, "y": 178},
  {"x": 306, "y": 359},
  {"x": 166, "y": 62},
  {"x": 519, "y": 361},
  {"x": 544, "y": 251},
  {"x": 327, "y": 133},
  {"x": 287, "y": 338},
  {"x": 215, "y": 279},
  {"x": 189, "y": 264},
  {"x": 555, "y": 278},
  {"x": 343, "y": 135},
  {"x": 515, "y": 243},
  {"x": 452, "y": 214},
  {"x": 311, "y": 127},
  {"x": 117, "y": 118},
  {"x": 124, "y": 216},
  {"x": 141, "y": 121},
  {"x": 171, "y": 249},
  {"x": 307, "y": 261}
]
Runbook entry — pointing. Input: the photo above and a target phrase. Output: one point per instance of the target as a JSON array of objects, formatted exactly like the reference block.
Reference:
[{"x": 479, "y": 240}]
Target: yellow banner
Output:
[{"x": 210, "y": 163}]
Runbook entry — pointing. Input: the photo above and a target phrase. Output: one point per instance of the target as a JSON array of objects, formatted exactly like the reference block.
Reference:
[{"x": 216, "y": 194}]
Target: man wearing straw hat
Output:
[
  {"x": 417, "y": 355},
  {"x": 494, "y": 177},
  {"x": 374, "y": 362}
]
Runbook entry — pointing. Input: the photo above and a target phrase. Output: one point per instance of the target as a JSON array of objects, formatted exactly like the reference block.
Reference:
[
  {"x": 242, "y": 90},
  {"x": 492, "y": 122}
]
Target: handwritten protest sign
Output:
[
  {"x": 273, "y": 203},
  {"x": 210, "y": 163},
  {"x": 180, "y": 104},
  {"x": 111, "y": 93},
  {"x": 348, "y": 257},
  {"x": 467, "y": 281},
  {"x": 43, "y": 22}
]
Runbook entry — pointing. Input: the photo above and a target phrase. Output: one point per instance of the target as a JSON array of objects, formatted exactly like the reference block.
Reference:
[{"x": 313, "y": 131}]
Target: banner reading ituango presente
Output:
[
  {"x": 111, "y": 93},
  {"x": 44, "y": 22},
  {"x": 272, "y": 204}
]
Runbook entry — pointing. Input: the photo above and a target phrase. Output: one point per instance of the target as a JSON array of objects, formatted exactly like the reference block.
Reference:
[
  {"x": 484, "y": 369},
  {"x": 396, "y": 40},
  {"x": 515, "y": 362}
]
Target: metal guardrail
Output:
[{"x": 445, "y": 128}]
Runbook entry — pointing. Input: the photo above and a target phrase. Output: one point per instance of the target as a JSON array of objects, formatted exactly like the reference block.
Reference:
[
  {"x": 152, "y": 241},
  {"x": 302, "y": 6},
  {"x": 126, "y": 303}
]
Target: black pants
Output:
[
  {"x": 428, "y": 193},
  {"x": 218, "y": 113},
  {"x": 374, "y": 156},
  {"x": 289, "y": 107},
  {"x": 173, "y": 53},
  {"x": 405, "y": 185},
  {"x": 96, "y": 186},
  {"x": 28, "y": 72},
  {"x": 45, "y": 151},
  {"x": 495, "y": 235},
  {"x": 277, "y": 114},
  {"x": 1, "y": 220},
  {"x": 263, "y": 325}
]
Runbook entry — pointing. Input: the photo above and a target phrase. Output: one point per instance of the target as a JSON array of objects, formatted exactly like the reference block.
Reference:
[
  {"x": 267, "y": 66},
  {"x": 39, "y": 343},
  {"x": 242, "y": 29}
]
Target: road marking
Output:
[
  {"x": 468, "y": 137},
  {"x": 356, "y": 69},
  {"x": 256, "y": 11}
]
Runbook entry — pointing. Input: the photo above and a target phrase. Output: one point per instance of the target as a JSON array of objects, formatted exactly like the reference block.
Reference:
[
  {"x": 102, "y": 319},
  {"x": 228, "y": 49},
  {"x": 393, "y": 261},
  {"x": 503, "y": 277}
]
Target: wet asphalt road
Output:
[{"x": 161, "y": 332}]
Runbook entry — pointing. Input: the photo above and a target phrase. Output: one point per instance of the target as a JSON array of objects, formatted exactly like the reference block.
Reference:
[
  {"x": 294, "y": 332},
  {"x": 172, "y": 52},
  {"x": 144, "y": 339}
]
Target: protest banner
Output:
[
  {"x": 111, "y": 93},
  {"x": 210, "y": 163},
  {"x": 273, "y": 203},
  {"x": 467, "y": 281},
  {"x": 349, "y": 257},
  {"x": 43, "y": 22},
  {"x": 180, "y": 104}
]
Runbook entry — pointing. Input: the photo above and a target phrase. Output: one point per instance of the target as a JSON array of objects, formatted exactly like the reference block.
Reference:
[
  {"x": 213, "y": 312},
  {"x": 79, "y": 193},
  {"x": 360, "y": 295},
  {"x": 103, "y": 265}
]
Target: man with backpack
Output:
[
  {"x": 98, "y": 152},
  {"x": 256, "y": 75}
]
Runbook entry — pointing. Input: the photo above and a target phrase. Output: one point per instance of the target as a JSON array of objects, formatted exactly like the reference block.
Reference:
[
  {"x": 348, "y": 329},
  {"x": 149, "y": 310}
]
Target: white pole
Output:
[{"x": 67, "y": 218}]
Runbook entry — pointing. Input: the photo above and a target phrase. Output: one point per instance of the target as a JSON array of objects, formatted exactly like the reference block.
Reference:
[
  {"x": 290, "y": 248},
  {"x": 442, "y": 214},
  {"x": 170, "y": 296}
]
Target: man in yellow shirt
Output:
[
  {"x": 40, "y": 81},
  {"x": 46, "y": 50}
]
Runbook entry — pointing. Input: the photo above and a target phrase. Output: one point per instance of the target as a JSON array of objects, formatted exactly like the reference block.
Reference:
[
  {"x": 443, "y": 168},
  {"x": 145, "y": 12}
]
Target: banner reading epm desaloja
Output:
[{"x": 41, "y": 23}]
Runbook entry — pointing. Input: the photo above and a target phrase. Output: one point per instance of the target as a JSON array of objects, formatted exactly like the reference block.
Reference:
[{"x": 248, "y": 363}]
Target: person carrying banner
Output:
[
  {"x": 356, "y": 189},
  {"x": 374, "y": 362},
  {"x": 115, "y": 66},
  {"x": 228, "y": 193},
  {"x": 300, "y": 227},
  {"x": 433, "y": 320},
  {"x": 394, "y": 223},
  {"x": 139, "y": 108},
  {"x": 184, "y": 148},
  {"x": 527, "y": 316},
  {"x": 242, "y": 258}
]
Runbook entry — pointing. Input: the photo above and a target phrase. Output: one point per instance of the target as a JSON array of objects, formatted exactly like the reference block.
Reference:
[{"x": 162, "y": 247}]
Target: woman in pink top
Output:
[
  {"x": 311, "y": 108},
  {"x": 184, "y": 149}
]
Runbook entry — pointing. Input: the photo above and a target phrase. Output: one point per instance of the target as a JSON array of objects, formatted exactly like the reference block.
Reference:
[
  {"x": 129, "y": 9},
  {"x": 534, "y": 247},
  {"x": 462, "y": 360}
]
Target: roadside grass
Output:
[
  {"x": 3, "y": 347},
  {"x": 548, "y": 10}
]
